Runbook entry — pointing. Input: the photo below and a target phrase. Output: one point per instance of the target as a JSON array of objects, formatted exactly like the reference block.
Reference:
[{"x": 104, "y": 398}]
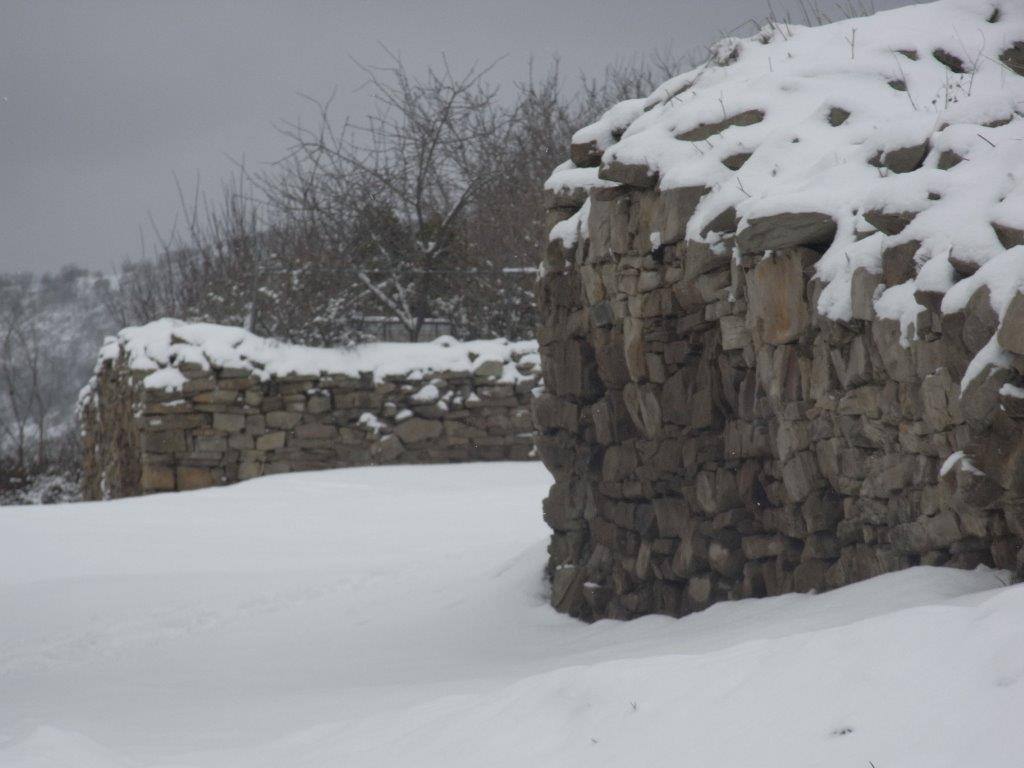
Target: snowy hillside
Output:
[{"x": 397, "y": 617}]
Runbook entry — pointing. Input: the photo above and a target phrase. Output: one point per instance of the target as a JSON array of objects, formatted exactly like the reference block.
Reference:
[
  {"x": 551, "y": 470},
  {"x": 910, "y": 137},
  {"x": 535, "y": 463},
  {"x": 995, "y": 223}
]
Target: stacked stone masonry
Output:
[
  {"x": 221, "y": 424},
  {"x": 712, "y": 436}
]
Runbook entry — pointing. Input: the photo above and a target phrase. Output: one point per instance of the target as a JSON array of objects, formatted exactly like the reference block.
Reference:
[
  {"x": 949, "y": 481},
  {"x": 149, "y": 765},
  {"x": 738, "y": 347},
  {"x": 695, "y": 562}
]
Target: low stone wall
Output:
[
  {"x": 178, "y": 407},
  {"x": 717, "y": 425}
]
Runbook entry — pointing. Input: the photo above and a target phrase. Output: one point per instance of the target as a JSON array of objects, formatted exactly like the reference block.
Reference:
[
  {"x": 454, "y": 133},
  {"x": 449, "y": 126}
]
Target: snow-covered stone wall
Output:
[
  {"x": 176, "y": 406},
  {"x": 783, "y": 317}
]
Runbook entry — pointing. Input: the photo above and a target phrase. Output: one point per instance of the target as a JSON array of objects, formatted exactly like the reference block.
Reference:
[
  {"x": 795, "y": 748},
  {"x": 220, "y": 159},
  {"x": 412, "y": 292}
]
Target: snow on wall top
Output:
[
  {"x": 163, "y": 346},
  {"x": 916, "y": 111}
]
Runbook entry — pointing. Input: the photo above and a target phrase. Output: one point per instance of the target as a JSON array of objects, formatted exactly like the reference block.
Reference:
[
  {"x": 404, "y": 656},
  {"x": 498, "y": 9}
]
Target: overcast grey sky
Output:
[{"x": 101, "y": 103}]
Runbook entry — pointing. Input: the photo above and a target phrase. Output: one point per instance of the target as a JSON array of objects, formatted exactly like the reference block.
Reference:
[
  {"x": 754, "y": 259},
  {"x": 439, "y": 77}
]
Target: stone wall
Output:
[
  {"x": 185, "y": 417},
  {"x": 716, "y": 428},
  {"x": 714, "y": 437}
]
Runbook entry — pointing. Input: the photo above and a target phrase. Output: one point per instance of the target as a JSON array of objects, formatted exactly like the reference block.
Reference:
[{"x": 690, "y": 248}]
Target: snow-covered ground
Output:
[{"x": 396, "y": 616}]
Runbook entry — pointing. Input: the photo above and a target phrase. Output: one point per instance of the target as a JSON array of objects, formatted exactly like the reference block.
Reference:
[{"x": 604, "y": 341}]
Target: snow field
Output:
[{"x": 397, "y": 616}]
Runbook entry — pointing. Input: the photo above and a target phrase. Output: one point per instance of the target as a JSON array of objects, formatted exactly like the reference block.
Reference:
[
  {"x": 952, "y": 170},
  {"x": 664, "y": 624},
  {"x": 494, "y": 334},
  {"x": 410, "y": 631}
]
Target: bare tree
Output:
[
  {"x": 430, "y": 207},
  {"x": 18, "y": 397},
  {"x": 396, "y": 188},
  {"x": 29, "y": 373}
]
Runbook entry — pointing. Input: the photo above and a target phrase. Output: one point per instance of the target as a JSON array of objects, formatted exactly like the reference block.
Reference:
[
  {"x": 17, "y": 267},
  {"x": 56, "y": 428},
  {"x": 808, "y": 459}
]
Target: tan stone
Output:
[
  {"x": 777, "y": 312},
  {"x": 192, "y": 478},
  {"x": 157, "y": 478},
  {"x": 271, "y": 441},
  {"x": 216, "y": 397},
  {"x": 247, "y": 470}
]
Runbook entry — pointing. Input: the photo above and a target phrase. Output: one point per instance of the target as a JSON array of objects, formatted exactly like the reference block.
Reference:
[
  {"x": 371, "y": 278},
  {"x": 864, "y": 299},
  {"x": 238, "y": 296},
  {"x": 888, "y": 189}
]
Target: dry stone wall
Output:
[
  {"x": 713, "y": 437},
  {"x": 715, "y": 429},
  {"x": 176, "y": 407}
]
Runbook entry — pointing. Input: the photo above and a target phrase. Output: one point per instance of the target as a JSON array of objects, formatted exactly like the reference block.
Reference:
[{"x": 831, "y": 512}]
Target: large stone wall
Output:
[
  {"x": 184, "y": 417},
  {"x": 713, "y": 437},
  {"x": 713, "y": 434}
]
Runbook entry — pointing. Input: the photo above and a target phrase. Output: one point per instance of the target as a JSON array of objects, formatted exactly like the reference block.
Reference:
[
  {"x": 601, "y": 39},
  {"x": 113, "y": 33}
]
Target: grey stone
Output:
[
  {"x": 416, "y": 430},
  {"x": 727, "y": 562},
  {"x": 707, "y": 130},
  {"x": 800, "y": 476},
  {"x": 904, "y": 159},
  {"x": 1013, "y": 57},
  {"x": 282, "y": 419},
  {"x": 735, "y": 333},
  {"x": 691, "y": 556},
  {"x": 980, "y": 321},
  {"x": 632, "y": 174},
  {"x": 786, "y": 230},
  {"x": 1011, "y": 331},
  {"x": 642, "y": 404},
  {"x": 864, "y": 287},
  {"x": 585, "y": 154},
  {"x": 889, "y": 223},
  {"x": 898, "y": 264},
  {"x": 489, "y": 369},
  {"x": 228, "y": 422},
  {"x": 675, "y": 208},
  {"x": 1009, "y": 237}
]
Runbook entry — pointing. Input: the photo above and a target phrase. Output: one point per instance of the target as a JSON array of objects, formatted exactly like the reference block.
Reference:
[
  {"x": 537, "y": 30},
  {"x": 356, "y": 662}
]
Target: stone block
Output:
[
  {"x": 247, "y": 470},
  {"x": 319, "y": 402},
  {"x": 157, "y": 478},
  {"x": 417, "y": 430},
  {"x": 725, "y": 561},
  {"x": 786, "y": 230},
  {"x": 691, "y": 556},
  {"x": 631, "y": 174},
  {"x": 864, "y": 288},
  {"x": 228, "y": 422},
  {"x": 282, "y": 419},
  {"x": 271, "y": 441},
  {"x": 315, "y": 431},
  {"x": 1011, "y": 331},
  {"x": 210, "y": 444},
  {"x": 735, "y": 333},
  {"x": 674, "y": 209},
  {"x": 777, "y": 312},
  {"x": 165, "y": 441},
  {"x": 193, "y": 478},
  {"x": 217, "y": 397},
  {"x": 898, "y": 264},
  {"x": 644, "y": 408},
  {"x": 800, "y": 476}
]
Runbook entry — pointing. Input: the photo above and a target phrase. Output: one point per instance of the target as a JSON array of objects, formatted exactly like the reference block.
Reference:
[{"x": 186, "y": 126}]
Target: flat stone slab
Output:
[{"x": 786, "y": 230}]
